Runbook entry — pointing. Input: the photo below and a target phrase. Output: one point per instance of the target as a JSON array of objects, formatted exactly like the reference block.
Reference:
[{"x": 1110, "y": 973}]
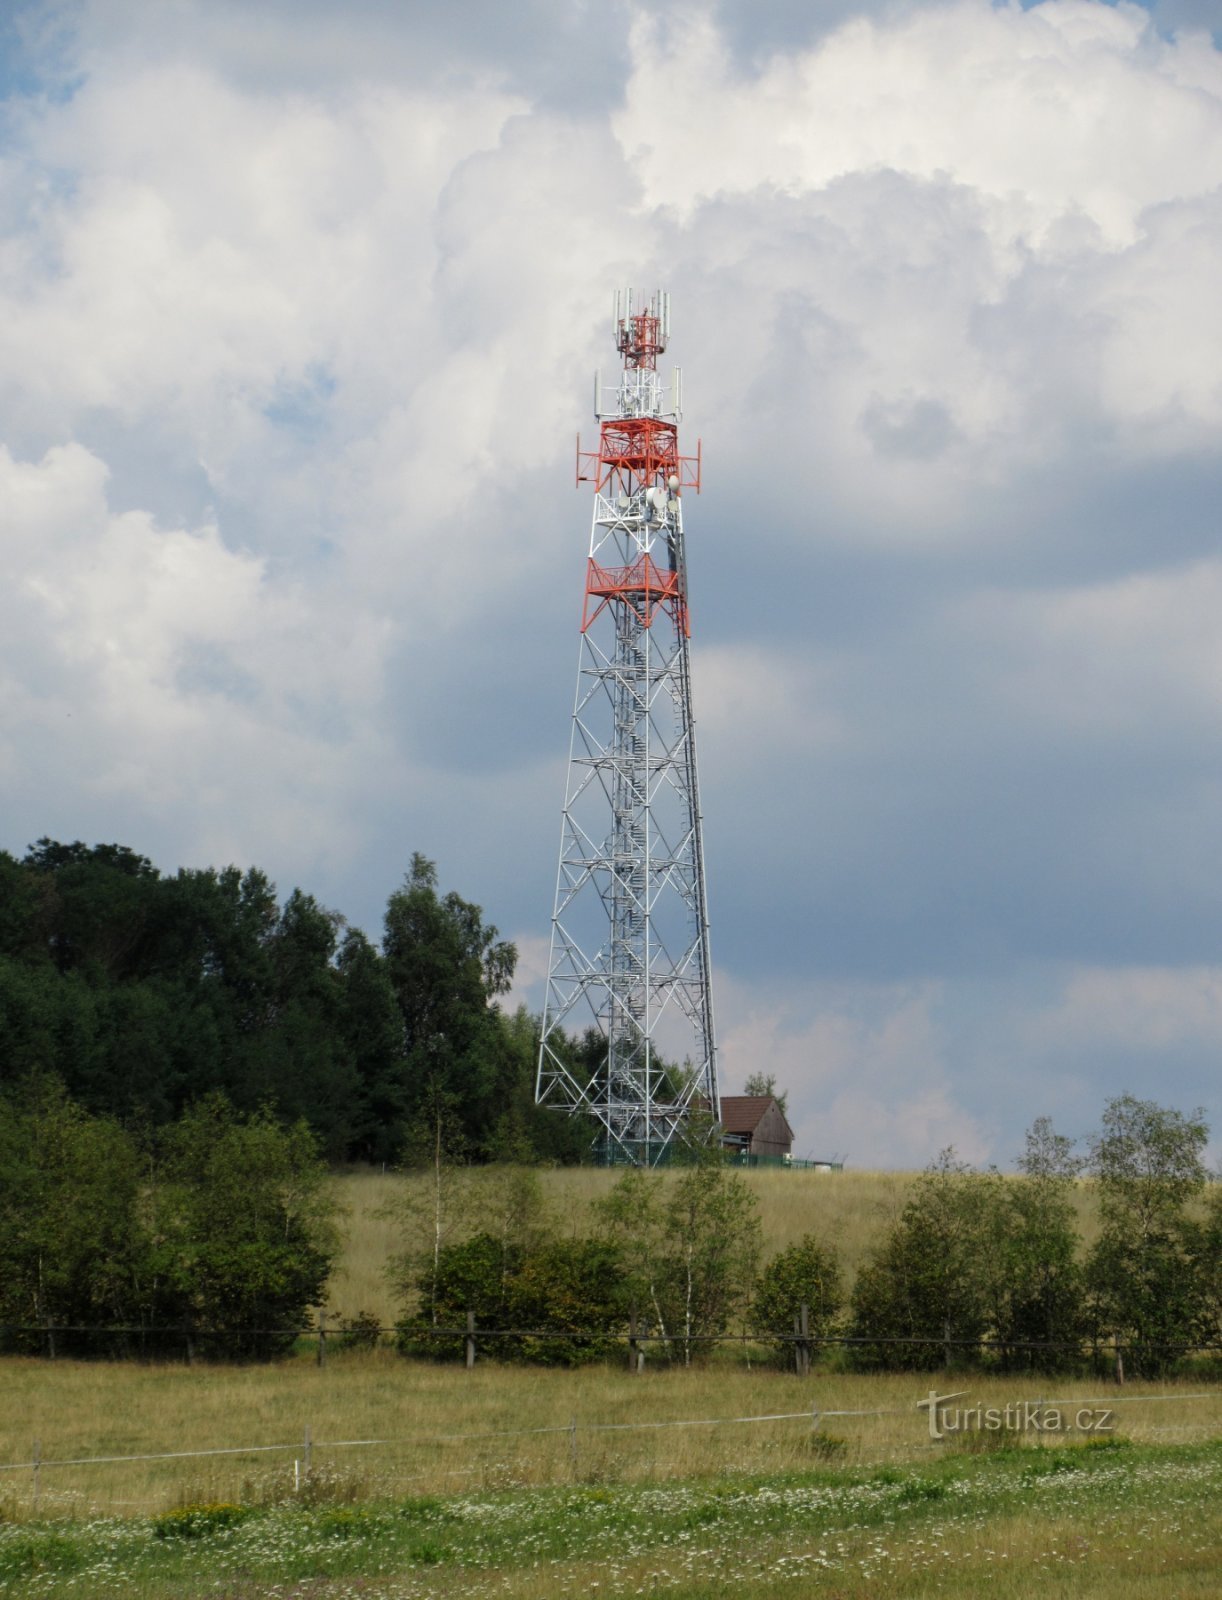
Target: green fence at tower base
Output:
[{"x": 677, "y": 1154}]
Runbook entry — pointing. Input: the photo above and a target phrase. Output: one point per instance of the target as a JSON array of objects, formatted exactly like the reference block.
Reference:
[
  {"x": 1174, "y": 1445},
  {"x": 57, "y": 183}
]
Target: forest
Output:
[{"x": 143, "y": 992}]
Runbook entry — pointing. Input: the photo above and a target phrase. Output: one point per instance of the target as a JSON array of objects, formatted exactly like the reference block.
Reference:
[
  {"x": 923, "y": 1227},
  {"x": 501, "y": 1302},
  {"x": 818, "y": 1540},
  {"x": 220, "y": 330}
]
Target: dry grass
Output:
[
  {"x": 850, "y": 1209},
  {"x": 449, "y": 1430}
]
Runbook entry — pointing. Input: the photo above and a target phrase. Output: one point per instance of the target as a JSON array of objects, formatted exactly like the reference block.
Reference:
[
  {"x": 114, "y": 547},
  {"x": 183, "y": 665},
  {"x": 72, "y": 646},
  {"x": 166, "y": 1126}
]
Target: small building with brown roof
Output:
[{"x": 755, "y": 1125}]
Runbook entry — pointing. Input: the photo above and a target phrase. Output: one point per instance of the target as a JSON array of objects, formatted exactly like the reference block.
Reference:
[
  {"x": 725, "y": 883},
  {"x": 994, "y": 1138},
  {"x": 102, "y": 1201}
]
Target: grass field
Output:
[
  {"x": 423, "y": 1480},
  {"x": 849, "y": 1209},
  {"x": 1071, "y": 1523},
  {"x": 444, "y": 1429}
]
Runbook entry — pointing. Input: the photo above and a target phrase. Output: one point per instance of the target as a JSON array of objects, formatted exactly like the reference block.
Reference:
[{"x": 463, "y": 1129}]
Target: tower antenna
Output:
[{"x": 627, "y": 1034}]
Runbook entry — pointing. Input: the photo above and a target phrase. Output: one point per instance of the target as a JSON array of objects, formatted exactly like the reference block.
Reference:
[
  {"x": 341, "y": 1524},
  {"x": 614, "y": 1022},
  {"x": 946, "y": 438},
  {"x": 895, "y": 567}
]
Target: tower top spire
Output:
[{"x": 641, "y": 336}]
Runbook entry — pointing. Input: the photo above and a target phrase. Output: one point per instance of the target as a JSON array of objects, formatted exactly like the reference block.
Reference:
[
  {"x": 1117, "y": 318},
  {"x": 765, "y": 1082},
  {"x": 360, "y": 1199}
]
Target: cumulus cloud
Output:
[
  {"x": 869, "y": 1075},
  {"x": 297, "y": 319}
]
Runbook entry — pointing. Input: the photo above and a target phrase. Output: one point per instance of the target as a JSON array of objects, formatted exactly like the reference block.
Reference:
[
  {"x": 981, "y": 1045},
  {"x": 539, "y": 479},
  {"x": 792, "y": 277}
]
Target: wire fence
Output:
[
  {"x": 633, "y": 1342},
  {"x": 304, "y": 1450}
]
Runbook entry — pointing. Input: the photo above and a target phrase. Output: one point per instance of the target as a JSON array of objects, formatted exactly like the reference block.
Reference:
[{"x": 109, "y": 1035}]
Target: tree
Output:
[
  {"x": 1209, "y": 1258},
  {"x": 467, "y": 1235},
  {"x": 372, "y": 1028},
  {"x": 711, "y": 1246},
  {"x": 922, "y": 1295},
  {"x": 70, "y": 1243},
  {"x": 806, "y": 1274},
  {"x": 1033, "y": 1281},
  {"x": 446, "y": 967},
  {"x": 98, "y": 902},
  {"x": 244, "y": 1227},
  {"x": 574, "y": 1293},
  {"x": 629, "y": 1218},
  {"x": 1148, "y": 1286},
  {"x": 765, "y": 1083}
]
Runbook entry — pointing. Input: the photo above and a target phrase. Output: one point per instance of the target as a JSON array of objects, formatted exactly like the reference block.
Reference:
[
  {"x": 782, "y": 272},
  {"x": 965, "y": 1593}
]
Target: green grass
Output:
[{"x": 1131, "y": 1523}]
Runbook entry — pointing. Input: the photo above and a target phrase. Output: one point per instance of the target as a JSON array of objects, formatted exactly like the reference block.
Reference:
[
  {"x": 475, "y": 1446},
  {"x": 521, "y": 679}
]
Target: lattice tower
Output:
[{"x": 630, "y": 935}]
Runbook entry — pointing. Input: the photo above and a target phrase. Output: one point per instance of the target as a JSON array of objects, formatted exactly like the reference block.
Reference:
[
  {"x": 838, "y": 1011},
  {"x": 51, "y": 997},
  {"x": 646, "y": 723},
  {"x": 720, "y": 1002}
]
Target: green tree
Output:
[
  {"x": 372, "y": 1029},
  {"x": 432, "y": 1209},
  {"x": 446, "y": 968},
  {"x": 245, "y": 1234},
  {"x": 1209, "y": 1259},
  {"x": 472, "y": 1275},
  {"x": 1148, "y": 1288},
  {"x": 765, "y": 1083},
  {"x": 574, "y": 1293},
  {"x": 805, "y": 1274},
  {"x": 98, "y": 902},
  {"x": 440, "y": 1210},
  {"x": 1034, "y": 1282},
  {"x": 711, "y": 1248},
  {"x": 922, "y": 1296},
  {"x": 70, "y": 1242},
  {"x": 630, "y": 1218}
]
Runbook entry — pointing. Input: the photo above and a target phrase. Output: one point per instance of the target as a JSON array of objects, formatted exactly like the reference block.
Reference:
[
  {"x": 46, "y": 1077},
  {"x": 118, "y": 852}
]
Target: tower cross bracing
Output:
[{"x": 629, "y": 960}]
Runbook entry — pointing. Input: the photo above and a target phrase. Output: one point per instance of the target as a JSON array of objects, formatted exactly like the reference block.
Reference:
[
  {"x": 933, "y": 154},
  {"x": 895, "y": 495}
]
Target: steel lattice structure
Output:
[{"x": 630, "y": 933}]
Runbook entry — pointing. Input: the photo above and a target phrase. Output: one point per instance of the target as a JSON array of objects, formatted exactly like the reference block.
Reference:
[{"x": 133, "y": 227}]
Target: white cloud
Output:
[
  {"x": 155, "y": 672},
  {"x": 868, "y": 1078},
  {"x": 1136, "y": 1009},
  {"x": 1068, "y": 107},
  {"x": 1139, "y": 655}
]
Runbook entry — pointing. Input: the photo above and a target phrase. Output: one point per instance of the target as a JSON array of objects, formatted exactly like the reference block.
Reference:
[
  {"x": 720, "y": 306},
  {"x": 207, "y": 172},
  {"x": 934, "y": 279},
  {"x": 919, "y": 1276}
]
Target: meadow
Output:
[
  {"x": 378, "y": 1476},
  {"x": 848, "y": 1209},
  {"x": 463, "y": 1501}
]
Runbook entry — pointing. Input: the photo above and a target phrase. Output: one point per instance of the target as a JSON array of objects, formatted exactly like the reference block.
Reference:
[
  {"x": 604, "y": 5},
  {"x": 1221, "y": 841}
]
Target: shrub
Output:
[
  {"x": 575, "y": 1291},
  {"x": 808, "y": 1273},
  {"x": 471, "y": 1276},
  {"x": 245, "y": 1228},
  {"x": 71, "y": 1246},
  {"x": 361, "y": 1332},
  {"x": 923, "y": 1294},
  {"x": 196, "y": 1522}
]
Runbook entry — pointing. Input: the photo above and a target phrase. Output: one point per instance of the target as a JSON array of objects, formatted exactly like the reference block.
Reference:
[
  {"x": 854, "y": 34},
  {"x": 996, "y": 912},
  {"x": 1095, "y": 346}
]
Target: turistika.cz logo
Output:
[{"x": 1020, "y": 1416}]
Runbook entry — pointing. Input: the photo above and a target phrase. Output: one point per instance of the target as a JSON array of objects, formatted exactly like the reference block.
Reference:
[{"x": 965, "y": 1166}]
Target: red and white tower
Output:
[{"x": 630, "y": 933}]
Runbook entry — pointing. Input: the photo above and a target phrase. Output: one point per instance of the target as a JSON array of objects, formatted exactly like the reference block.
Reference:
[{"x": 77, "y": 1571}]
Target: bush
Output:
[
  {"x": 470, "y": 1276},
  {"x": 808, "y": 1273},
  {"x": 361, "y": 1332},
  {"x": 71, "y": 1245},
  {"x": 245, "y": 1231},
  {"x": 574, "y": 1290},
  {"x": 571, "y": 1293},
  {"x": 196, "y": 1522},
  {"x": 1150, "y": 1271},
  {"x": 923, "y": 1293}
]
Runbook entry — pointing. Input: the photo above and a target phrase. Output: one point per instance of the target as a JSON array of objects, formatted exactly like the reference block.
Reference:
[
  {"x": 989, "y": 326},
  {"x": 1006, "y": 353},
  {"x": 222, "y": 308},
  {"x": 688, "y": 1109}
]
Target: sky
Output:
[{"x": 299, "y": 310}]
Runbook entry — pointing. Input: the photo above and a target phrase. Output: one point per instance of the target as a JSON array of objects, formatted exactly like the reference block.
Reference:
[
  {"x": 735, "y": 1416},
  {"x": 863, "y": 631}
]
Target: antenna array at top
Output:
[{"x": 641, "y": 336}]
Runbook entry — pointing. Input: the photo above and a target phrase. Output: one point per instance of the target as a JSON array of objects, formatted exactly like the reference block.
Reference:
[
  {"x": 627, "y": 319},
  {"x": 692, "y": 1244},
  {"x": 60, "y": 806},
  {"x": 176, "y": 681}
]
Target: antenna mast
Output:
[{"x": 630, "y": 934}]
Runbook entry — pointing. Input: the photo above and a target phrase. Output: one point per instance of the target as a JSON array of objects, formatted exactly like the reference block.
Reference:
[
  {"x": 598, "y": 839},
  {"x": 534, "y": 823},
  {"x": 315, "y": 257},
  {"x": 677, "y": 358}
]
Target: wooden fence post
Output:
[
  {"x": 470, "y": 1340},
  {"x": 322, "y": 1338},
  {"x": 804, "y": 1327}
]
